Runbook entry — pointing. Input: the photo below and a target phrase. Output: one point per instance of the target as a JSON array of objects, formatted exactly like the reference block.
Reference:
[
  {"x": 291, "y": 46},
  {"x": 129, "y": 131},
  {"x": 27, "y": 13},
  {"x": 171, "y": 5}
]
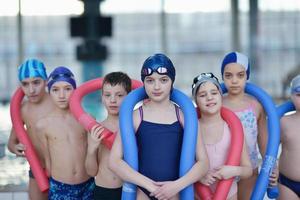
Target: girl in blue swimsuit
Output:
[{"x": 159, "y": 132}]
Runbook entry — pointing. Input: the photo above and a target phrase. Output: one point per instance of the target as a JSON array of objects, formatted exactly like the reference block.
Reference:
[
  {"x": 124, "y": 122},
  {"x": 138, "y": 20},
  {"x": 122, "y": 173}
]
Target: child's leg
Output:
[
  {"x": 34, "y": 191},
  {"x": 286, "y": 193},
  {"x": 246, "y": 186}
]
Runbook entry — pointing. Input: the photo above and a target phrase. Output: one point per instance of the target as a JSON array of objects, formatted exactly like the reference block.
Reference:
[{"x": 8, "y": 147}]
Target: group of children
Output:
[{"x": 81, "y": 167}]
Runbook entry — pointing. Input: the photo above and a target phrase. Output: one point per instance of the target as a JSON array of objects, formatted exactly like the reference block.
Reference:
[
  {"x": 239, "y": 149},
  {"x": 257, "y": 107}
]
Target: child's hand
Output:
[
  {"x": 19, "y": 149},
  {"x": 274, "y": 177},
  {"x": 166, "y": 190},
  {"x": 208, "y": 179},
  {"x": 225, "y": 172},
  {"x": 151, "y": 186},
  {"x": 95, "y": 137}
]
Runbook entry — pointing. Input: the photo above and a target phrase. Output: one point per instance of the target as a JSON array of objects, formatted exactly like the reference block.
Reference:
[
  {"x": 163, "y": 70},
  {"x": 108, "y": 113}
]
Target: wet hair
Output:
[{"x": 118, "y": 78}]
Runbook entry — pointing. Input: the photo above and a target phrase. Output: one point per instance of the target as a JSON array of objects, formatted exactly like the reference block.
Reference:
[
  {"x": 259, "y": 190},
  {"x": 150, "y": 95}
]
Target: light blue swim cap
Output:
[{"x": 32, "y": 68}]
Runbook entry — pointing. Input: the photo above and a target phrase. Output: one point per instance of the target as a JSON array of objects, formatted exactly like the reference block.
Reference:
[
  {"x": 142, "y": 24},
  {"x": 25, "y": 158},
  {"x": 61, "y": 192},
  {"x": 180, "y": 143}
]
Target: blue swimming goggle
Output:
[
  {"x": 58, "y": 76},
  {"x": 159, "y": 70}
]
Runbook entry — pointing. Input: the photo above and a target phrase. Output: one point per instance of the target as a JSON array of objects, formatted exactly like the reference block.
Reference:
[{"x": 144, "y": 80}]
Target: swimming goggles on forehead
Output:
[
  {"x": 58, "y": 76},
  {"x": 159, "y": 70},
  {"x": 204, "y": 75}
]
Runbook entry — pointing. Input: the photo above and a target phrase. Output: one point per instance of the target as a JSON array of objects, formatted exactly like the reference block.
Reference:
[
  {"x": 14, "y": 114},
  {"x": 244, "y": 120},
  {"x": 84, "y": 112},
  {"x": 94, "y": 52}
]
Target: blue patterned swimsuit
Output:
[
  {"x": 63, "y": 191},
  {"x": 249, "y": 121}
]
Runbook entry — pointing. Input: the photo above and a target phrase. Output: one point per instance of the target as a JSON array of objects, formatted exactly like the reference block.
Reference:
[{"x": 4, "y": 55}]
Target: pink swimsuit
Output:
[{"x": 217, "y": 154}]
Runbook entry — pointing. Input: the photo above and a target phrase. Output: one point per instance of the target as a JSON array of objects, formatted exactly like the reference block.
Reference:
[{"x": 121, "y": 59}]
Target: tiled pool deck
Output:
[{"x": 13, "y": 175}]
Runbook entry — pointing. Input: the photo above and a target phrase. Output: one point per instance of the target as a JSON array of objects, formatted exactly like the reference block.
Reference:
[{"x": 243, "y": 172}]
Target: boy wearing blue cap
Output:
[
  {"x": 65, "y": 142},
  {"x": 33, "y": 79},
  {"x": 158, "y": 124},
  {"x": 289, "y": 171},
  {"x": 235, "y": 70}
]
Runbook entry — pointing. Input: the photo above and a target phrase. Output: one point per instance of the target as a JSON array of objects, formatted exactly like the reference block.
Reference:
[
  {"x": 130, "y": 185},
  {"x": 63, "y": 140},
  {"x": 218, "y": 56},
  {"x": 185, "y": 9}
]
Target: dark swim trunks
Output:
[
  {"x": 101, "y": 193},
  {"x": 63, "y": 191},
  {"x": 292, "y": 185}
]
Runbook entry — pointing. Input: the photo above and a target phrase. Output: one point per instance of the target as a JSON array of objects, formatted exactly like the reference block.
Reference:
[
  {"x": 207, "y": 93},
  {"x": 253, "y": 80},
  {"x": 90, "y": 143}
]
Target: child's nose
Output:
[
  {"x": 234, "y": 79},
  {"x": 156, "y": 85},
  {"x": 113, "y": 98},
  {"x": 31, "y": 88},
  {"x": 61, "y": 94}
]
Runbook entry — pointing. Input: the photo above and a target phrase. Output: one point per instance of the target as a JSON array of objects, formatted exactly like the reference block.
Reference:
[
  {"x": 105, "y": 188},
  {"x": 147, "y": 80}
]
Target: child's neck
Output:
[
  {"x": 161, "y": 105},
  {"x": 62, "y": 112},
  {"x": 112, "y": 118},
  {"x": 111, "y": 122},
  {"x": 211, "y": 119},
  {"x": 236, "y": 97}
]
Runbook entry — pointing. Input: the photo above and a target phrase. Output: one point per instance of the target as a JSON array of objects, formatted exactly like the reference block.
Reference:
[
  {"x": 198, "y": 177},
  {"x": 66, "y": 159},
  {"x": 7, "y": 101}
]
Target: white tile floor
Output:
[{"x": 13, "y": 196}]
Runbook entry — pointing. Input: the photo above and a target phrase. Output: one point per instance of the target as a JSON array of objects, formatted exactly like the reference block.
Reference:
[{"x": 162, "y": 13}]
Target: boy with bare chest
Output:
[{"x": 65, "y": 142}]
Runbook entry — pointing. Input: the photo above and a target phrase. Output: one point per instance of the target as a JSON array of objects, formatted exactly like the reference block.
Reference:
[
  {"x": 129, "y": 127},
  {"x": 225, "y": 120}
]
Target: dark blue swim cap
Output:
[
  {"x": 160, "y": 64},
  {"x": 236, "y": 57},
  {"x": 61, "y": 74},
  {"x": 32, "y": 68}
]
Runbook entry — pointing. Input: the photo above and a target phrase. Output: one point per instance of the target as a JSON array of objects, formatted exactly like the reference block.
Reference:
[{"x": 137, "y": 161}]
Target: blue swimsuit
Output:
[
  {"x": 292, "y": 185},
  {"x": 159, "y": 147},
  {"x": 63, "y": 191}
]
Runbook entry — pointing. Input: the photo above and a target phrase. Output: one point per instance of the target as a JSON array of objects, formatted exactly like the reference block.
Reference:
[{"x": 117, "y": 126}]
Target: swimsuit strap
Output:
[{"x": 141, "y": 113}]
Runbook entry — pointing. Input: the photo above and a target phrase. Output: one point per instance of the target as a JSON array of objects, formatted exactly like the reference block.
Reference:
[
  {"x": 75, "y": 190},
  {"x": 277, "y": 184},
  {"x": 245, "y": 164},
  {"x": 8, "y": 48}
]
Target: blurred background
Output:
[{"x": 94, "y": 37}]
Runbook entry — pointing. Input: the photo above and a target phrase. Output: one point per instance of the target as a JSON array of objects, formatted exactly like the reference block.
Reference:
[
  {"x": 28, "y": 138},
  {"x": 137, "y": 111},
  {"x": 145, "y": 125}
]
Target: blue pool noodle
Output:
[{"x": 273, "y": 141}]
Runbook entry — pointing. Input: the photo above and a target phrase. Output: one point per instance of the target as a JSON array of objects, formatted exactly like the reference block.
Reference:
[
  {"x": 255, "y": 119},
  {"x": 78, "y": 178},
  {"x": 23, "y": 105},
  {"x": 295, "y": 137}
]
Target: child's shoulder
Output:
[
  {"x": 251, "y": 100},
  {"x": 289, "y": 125},
  {"x": 290, "y": 118},
  {"x": 254, "y": 103}
]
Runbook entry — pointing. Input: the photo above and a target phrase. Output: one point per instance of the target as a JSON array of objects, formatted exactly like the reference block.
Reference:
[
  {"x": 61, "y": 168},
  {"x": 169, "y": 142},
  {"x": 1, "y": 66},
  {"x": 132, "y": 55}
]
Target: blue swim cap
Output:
[
  {"x": 32, "y": 68},
  {"x": 295, "y": 85},
  {"x": 61, "y": 74},
  {"x": 236, "y": 57},
  {"x": 159, "y": 63}
]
